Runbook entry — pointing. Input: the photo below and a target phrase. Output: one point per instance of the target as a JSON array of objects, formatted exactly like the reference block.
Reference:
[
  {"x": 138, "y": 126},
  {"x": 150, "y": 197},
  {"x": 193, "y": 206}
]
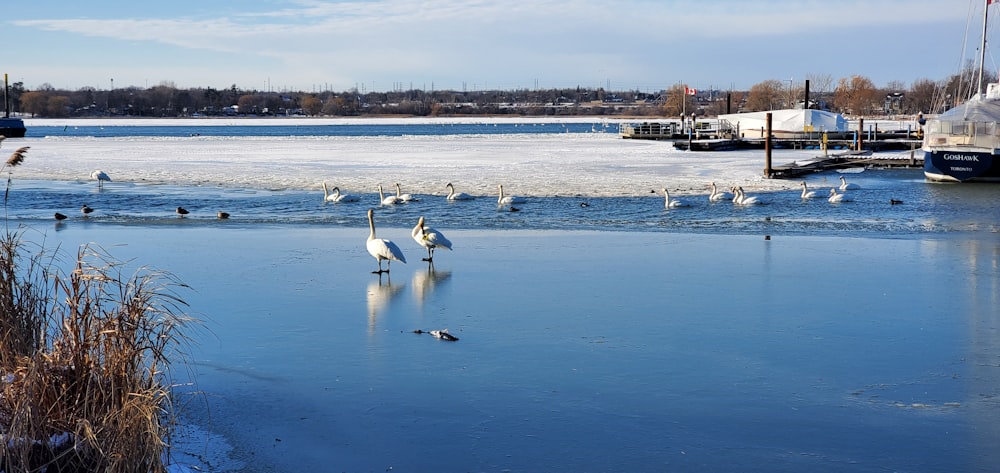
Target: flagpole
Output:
[{"x": 684, "y": 102}]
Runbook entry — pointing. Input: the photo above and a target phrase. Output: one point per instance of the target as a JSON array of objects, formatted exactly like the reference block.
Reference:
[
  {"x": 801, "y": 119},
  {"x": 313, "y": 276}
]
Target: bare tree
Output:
[
  {"x": 767, "y": 95},
  {"x": 57, "y": 106},
  {"x": 35, "y": 103},
  {"x": 856, "y": 95},
  {"x": 922, "y": 96},
  {"x": 677, "y": 101},
  {"x": 312, "y": 105}
]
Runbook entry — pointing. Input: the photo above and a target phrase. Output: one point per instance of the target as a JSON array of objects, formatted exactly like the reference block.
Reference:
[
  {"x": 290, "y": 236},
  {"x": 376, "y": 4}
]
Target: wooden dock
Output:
[
  {"x": 852, "y": 159},
  {"x": 883, "y": 144}
]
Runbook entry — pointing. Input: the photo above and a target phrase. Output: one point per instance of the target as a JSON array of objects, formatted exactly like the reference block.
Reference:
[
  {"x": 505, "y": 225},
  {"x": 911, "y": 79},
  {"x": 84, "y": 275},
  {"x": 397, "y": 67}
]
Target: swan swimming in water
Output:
[
  {"x": 380, "y": 248},
  {"x": 835, "y": 197},
  {"x": 404, "y": 197},
  {"x": 669, "y": 203},
  {"x": 507, "y": 200},
  {"x": 718, "y": 195},
  {"x": 452, "y": 195},
  {"x": 844, "y": 185},
  {"x": 806, "y": 193},
  {"x": 386, "y": 200},
  {"x": 742, "y": 199},
  {"x": 336, "y": 196},
  {"x": 429, "y": 238}
]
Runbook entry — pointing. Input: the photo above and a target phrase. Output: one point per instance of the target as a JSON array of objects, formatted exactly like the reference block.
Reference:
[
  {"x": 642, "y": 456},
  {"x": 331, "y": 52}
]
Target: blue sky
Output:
[{"x": 379, "y": 45}]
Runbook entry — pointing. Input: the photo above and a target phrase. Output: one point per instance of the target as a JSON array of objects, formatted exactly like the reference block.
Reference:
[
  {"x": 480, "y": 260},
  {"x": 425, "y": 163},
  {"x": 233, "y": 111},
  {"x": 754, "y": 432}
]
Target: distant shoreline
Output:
[{"x": 315, "y": 121}]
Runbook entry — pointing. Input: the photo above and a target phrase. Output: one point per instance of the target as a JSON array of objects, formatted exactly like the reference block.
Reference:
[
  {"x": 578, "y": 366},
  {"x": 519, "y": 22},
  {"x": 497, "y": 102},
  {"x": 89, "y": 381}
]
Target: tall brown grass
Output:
[{"x": 85, "y": 362}]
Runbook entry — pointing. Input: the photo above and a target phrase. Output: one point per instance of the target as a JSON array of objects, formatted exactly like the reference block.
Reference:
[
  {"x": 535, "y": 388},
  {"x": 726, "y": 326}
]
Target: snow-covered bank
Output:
[{"x": 599, "y": 164}]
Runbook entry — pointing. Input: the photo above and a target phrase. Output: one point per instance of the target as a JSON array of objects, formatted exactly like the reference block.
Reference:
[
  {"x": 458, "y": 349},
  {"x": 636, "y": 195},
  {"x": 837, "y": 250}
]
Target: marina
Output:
[
  {"x": 720, "y": 134},
  {"x": 962, "y": 143}
]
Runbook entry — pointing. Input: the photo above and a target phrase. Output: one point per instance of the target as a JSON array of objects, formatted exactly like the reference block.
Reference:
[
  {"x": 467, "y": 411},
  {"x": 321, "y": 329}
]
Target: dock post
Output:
[
  {"x": 861, "y": 134},
  {"x": 767, "y": 147},
  {"x": 691, "y": 132}
]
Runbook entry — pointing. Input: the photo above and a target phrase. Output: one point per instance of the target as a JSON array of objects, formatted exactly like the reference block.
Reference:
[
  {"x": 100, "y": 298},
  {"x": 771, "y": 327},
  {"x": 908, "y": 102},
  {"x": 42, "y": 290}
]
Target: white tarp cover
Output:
[
  {"x": 975, "y": 110},
  {"x": 789, "y": 120}
]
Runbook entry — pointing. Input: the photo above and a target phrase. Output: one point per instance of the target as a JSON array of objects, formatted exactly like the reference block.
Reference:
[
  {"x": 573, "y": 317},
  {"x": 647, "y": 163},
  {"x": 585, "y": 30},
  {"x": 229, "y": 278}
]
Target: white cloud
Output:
[{"x": 392, "y": 40}]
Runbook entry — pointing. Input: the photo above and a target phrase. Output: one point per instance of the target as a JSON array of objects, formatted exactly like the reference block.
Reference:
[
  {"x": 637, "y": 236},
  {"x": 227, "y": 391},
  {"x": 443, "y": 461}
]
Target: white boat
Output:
[
  {"x": 963, "y": 144},
  {"x": 788, "y": 123},
  {"x": 10, "y": 127}
]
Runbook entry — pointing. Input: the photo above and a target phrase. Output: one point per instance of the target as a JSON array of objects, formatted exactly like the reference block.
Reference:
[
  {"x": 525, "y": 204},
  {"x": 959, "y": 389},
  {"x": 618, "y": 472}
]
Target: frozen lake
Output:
[
  {"x": 796, "y": 336},
  {"x": 584, "y": 351}
]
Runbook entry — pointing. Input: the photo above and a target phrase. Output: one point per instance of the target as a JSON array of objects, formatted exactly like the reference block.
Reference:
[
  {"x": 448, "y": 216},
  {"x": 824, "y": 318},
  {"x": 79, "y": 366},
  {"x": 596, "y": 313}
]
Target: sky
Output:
[{"x": 386, "y": 45}]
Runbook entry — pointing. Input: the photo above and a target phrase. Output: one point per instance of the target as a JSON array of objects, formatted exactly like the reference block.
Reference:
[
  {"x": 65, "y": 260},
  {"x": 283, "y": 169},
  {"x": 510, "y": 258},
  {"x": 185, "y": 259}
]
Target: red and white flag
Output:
[
  {"x": 690, "y": 91},
  {"x": 989, "y": 2}
]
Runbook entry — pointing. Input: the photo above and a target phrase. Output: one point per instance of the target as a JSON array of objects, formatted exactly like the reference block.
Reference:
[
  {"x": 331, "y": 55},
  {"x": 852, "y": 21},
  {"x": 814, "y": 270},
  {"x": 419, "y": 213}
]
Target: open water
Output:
[{"x": 923, "y": 208}]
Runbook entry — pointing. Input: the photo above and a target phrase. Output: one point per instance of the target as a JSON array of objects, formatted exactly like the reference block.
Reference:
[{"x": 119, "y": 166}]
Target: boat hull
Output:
[
  {"x": 962, "y": 165},
  {"x": 12, "y": 127}
]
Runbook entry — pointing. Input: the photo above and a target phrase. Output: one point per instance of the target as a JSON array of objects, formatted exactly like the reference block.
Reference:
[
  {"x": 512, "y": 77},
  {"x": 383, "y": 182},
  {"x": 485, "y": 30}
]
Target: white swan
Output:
[
  {"x": 806, "y": 193},
  {"x": 718, "y": 195},
  {"x": 510, "y": 199},
  {"x": 404, "y": 197},
  {"x": 669, "y": 203},
  {"x": 336, "y": 196},
  {"x": 382, "y": 249},
  {"x": 836, "y": 198},
  {"x": 844, "y": 185},
  {"x": 386, "y": 200},
  {"x": 429, "y": 238},
  {"x": 452, "y": 195},
  {"x": 101, "y": 176},
  {"x": 745, "y": 199}
]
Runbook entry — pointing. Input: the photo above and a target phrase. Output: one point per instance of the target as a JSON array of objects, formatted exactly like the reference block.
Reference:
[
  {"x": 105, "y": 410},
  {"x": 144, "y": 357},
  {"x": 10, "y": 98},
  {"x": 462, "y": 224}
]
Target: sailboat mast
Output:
[{"x": 982, "y": 49}]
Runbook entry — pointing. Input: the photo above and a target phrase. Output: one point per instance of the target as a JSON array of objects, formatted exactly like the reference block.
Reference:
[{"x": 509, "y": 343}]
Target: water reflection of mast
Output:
[
  {"x": 379, "y": 294},
  {"x": 984, "y": 374}
]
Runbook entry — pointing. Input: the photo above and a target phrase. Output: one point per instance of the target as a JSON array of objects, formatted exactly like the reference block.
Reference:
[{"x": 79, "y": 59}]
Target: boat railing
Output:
[{"x": 963, "y": 134}]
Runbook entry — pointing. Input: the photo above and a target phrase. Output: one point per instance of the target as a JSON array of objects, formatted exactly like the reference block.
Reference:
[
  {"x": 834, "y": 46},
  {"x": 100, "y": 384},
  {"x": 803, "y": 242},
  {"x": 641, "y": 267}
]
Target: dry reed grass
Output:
[{"x": 85, "y": 361}]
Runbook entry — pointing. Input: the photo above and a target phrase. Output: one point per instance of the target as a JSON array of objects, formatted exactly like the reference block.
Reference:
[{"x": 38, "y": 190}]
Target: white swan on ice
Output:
[
  {"x": 101, "y": 176},
  {"x": 429, "y": 238},
  {"x": 380, "y": 248}
]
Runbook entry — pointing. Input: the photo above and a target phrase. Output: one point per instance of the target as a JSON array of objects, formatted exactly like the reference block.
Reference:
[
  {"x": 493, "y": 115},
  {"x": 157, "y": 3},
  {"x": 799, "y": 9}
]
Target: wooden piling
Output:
[
  {"x": 861, "y": 134},
  {"x": 767, "y": 147}
]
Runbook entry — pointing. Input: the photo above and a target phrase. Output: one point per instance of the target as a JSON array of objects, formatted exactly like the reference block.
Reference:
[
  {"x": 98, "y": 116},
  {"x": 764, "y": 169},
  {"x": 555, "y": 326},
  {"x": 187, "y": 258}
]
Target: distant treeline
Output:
[{"x": 855, "y": 95}]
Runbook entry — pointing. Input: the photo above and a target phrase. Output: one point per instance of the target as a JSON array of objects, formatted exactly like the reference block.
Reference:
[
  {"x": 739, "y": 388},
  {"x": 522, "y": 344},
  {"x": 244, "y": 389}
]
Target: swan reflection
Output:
[
  {"x": 379, "y": 294},
  {"x": 425, "y": 281}
]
